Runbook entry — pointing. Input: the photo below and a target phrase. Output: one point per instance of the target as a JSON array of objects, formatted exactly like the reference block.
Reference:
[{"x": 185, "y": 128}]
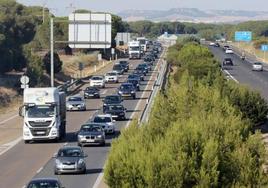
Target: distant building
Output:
[{"x": 168, "y": 38}]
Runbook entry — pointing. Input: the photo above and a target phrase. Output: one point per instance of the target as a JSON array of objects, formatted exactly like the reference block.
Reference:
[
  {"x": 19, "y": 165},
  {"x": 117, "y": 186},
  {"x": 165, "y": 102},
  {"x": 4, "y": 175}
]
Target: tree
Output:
[{"x": 57, "y": 63}]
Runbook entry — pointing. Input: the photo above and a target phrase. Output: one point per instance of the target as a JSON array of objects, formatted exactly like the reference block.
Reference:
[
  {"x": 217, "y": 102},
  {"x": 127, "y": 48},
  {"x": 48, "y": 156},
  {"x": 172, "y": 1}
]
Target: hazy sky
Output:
[{"x": 61, "y": 7}]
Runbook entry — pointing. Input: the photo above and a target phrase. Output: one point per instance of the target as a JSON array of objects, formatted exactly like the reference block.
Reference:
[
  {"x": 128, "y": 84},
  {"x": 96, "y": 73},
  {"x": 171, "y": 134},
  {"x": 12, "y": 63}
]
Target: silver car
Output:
[
  {"x": 75, "y": 103},
  {"x": 257, "y": 66},
  {"x": 70, "y": 159},
  {"x": 107, "y": 123},
  {"x": 91, "y": 133}
]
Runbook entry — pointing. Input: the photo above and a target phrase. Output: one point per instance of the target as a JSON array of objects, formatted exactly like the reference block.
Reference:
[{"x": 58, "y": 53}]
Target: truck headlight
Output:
[{"x": 26, "y": 133}]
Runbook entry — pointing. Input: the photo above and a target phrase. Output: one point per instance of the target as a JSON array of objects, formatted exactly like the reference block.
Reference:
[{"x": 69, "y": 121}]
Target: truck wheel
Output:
[{"x": 26, "y": 141}]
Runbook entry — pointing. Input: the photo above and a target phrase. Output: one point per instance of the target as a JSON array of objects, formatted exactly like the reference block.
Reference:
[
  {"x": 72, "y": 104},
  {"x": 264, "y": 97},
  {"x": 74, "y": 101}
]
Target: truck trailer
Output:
[{"x": 134, "y": 50}]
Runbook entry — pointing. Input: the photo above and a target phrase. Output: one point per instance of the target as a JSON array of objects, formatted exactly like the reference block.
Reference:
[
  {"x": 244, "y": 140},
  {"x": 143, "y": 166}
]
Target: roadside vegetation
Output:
[{"x": 199, "y": 133}]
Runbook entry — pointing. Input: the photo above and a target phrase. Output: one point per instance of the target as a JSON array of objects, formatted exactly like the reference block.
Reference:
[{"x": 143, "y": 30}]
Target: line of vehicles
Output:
[
  {"x": 228, "y": 60},
  {"x": 44, "y": 112}
]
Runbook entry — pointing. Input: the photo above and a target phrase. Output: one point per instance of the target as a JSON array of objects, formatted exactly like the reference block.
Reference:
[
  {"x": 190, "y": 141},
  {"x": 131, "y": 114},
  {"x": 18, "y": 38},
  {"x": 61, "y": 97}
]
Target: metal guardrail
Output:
[
  {"x": 156, "y": 88},
  {"x": 69, "y": 86}
]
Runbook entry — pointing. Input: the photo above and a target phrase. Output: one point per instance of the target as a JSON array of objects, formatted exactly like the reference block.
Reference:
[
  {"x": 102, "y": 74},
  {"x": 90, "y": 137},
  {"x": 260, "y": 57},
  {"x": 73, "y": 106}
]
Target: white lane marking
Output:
[
  {"x": 98, "y": 180},
  {"x": 104, "y": 92},
  {"x": 10, "y": 145},
  {"x": 40, "y": 169},
  {"x": 12, "y": 117},
  {"x": 233, "y": 78}
]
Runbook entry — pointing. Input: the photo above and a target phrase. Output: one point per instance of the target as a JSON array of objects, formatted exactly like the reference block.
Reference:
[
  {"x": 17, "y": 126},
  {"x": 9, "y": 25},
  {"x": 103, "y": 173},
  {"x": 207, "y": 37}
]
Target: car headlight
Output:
[
  {"x": 81, "y": 161},
  {"x": 99, "y": 136},
  {"x": 80, "y": 136},
  {"x": 58, "y": 163},
  {"x": 132, "y": 92},
  {"x": 120, "y": 92}
]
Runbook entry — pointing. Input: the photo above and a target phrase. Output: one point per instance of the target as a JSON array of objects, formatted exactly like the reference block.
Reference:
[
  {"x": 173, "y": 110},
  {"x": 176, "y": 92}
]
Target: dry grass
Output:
[
  {"x": 9, "y": 100},
  {"x": 249, "y": 47},
  {"x": 71, "y": 63}
]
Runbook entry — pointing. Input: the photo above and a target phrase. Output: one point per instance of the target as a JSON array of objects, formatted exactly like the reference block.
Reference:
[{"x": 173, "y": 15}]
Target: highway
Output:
[
  {"x": 23, "y": 162},
  {"x": 242, "y": 72}
]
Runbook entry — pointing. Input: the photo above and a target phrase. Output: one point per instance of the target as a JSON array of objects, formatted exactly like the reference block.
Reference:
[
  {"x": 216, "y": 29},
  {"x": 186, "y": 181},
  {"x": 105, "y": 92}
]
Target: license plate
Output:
[
  {"x": 114, "y": 116},
  {"x": 90, "y": 141},
  {"x": 40, "y": 132},
  {"x": 68, "y": 167}
]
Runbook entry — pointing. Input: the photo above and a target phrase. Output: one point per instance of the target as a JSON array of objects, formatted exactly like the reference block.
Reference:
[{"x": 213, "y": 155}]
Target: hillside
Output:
[{"x": 193, "y": 15}]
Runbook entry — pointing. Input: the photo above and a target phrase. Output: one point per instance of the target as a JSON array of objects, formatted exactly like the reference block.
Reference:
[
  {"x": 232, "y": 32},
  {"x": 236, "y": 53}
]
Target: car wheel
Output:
[
  {"x": 84, "y": 171},
  {"x": 103, "y": 143},
  {"x": 26, "y": 141},
  {"x": 56, "y": 172},
  {"x": 134, "y": 97}
]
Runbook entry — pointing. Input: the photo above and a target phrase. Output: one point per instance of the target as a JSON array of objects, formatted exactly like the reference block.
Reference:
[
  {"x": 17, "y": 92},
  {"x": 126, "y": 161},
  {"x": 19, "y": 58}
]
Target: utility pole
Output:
[{"x": 51, "y": 52}]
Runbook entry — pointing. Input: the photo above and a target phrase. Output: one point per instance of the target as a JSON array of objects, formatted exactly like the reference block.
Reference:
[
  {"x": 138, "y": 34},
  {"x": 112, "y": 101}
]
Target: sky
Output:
[{"x": 63, "y": 7}]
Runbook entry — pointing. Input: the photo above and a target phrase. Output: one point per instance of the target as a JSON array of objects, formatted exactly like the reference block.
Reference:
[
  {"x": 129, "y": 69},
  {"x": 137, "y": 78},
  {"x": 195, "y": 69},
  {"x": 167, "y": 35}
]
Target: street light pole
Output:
[{"x": 51, "y": 52}]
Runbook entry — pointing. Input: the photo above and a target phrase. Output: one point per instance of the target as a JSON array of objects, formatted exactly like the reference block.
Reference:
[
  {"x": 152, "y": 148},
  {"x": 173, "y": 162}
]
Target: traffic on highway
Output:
[{"x": 75, "y": 132}]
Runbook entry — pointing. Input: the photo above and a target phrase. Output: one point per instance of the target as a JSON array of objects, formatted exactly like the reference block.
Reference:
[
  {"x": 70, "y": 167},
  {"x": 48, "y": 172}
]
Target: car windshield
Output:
[
  {"x": 99, "y": 119},
  {"x": 96, "y": 78},
  {"x": 90, "y": 128},
  {"x": 127, "y": 86},
  {"x": 44, "y": 184},
  {"x": 112, "y": 98},
  {"x": 117, "y": 67},
  {"x": 75, "y": 99},
  {"x": 90, "y": 89},
  {"x": 41, "y": 111},
  {"x": 228, "y": 59},
  {"x": 70, "y": 152},
  {"x": 257, "y": 63},
  {"x": 133, "y": 76},
  {"x": 134, "y": 48},
  {"x": 116, "y": 107},
  {"x": 123, "y": 62},
  {"x": 111, "y": 74}
]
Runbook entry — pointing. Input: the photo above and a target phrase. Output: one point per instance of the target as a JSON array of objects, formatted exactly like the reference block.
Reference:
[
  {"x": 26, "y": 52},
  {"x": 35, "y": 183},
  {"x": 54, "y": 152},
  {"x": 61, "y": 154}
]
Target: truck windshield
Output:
[
  {"x": 41, "y": 111},
  {"x": 134, "y": 48}
]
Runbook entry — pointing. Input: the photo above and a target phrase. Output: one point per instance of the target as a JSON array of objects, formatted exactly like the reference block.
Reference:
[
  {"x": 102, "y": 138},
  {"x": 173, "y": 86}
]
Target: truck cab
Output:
[
  {"x": 44, "y": 114},
  {"x": 134, "y": 50}
]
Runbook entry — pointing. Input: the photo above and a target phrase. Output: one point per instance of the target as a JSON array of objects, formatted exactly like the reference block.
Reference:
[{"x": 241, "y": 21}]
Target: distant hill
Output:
[{"x": 193, "y": 15}]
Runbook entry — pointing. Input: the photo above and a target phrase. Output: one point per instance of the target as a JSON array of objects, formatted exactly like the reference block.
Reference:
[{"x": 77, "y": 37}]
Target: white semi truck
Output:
[
  {"x": 134, "y": 50},
  {"x": 144, "y": 43},
  {"x": 44, "y": 112}
]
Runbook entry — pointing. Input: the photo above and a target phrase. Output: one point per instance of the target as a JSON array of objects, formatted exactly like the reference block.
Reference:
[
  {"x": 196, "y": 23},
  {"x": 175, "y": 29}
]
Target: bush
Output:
[{"x": 57, "y": 63}]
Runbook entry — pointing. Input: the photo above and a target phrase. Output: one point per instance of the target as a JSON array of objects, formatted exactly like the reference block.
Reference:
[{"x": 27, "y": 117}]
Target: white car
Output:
[
  {"x": 257, "y": 66},
  {"x": 97, "y": 81},
  {"x": 212, "y": 44},
  {"x": 111, "y": 77},
  {"x": 229, "y": 51},
  {"x": 106, "y": 121}
]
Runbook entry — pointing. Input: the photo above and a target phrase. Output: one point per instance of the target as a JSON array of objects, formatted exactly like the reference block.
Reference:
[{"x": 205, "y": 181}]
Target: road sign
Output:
[
  {"x": 23, "y": 86},
  {"x": 264, "y": 47},
  {"x": 243, "y": 36},
  {"x": 24, "y": 80},
  {"x": 90, "y": 30}
]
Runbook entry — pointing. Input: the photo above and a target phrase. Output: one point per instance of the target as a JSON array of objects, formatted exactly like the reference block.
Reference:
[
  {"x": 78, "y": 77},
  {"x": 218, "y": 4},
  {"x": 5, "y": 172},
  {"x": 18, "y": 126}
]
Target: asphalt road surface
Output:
[
  {"x": 25, "y": 161},
  {"x": 242, "y": 72}
]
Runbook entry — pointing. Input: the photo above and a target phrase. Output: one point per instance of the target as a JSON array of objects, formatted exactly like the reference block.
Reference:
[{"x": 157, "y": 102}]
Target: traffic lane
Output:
[
  {"x": 23, "y": 161},
  {"x": 242, "y": 72},
  {"x": 97, "y": 155}
]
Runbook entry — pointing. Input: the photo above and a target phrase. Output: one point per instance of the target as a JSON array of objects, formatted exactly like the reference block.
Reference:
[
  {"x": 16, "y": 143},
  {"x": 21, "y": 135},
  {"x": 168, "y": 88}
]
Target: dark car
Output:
[
  {"x": 135, "y": 82},
  {"x": 141, "y": 70},
  {"x": 127, "y": 90},
  {"x": 217, "y": 44},
  {"x": 111, "y": 99},
  {"x": 134, "y": 77},
  {"x": 91, "y": 92},
  {"x": 44, "y": 182},
  {"x": 125, "y": 64},
  {"x": 119, "y": 68},
  {"x": 70, "y": 159},
  {"x": 140, "y": 73},
  {"x": 117, "y": 111},
  {"x": 227, "y": 62},
  {"x": 91, "y": 133}
]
